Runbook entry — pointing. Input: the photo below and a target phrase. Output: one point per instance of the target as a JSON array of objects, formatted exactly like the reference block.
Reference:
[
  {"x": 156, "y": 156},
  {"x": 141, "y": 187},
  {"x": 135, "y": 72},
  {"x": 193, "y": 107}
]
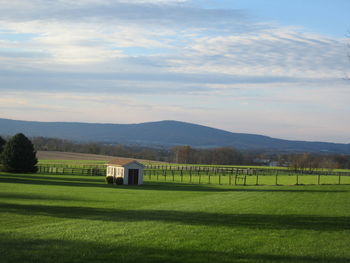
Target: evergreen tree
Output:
[
  {"x": 19, "y": 155},
  {"x": 2, "y": 143}
]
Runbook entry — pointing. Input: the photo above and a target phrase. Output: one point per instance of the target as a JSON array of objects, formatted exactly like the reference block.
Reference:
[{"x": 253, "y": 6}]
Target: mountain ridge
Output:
[{"x": 166, "y": 133}]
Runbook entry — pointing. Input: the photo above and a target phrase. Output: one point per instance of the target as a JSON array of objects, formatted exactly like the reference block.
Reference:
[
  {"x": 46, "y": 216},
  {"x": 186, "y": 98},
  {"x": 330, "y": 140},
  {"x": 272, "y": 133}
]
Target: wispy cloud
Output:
[{"x": 160, "y": 13}]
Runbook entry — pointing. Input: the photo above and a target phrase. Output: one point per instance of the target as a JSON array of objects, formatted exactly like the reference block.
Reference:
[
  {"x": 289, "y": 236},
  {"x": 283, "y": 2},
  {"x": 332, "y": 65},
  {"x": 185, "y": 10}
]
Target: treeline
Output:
[
  {"x": 222, "y": 155},
  {"x": 190, "y": 155},
  {"x": 310, "y": 162},
  {"x": 231, "y": 156}
]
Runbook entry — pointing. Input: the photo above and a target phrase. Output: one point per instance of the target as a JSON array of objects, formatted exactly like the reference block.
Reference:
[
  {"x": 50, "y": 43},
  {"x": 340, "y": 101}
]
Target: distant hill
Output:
[{"x": 163, "y": 134}]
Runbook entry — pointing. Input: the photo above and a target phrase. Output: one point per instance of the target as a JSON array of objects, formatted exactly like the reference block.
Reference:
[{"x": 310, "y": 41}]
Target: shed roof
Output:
[{"x": 123, "y": 162}]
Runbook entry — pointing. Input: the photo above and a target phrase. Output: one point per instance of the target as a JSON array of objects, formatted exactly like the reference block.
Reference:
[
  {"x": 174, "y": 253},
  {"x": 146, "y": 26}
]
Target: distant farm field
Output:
[
  {"x": 45, "y": 157},
  {"x": 60, "y": 218},
  {"x": 70, "y": 156}
]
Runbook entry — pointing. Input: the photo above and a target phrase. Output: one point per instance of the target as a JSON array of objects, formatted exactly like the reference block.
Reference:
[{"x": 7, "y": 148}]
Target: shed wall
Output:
[{"x": 133, "y": 166}]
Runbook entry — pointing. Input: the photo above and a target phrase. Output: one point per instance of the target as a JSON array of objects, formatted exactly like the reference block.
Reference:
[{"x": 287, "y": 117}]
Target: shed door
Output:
[{"x": 133, "y": 176}]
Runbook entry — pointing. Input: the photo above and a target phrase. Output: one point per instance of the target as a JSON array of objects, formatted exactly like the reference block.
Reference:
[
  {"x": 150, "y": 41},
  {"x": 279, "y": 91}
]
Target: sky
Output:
[{"x": 271, "y": 67}]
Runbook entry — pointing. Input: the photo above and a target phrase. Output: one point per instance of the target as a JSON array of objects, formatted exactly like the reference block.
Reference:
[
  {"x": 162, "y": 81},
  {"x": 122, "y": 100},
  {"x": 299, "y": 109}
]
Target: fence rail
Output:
[
  {"x": 244, "y": 170},
  {"x": 223, "y": 177},
  {"x": 68, "y": 170}
]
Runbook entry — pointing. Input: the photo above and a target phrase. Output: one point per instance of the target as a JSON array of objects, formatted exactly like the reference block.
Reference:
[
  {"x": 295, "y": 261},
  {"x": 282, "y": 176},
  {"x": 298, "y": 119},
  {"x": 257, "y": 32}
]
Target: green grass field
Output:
[{"x": 48, "y": 218}]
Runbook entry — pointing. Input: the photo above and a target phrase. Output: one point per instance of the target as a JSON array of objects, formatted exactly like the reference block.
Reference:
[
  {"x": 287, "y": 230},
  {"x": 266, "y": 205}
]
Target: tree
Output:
[
  {"x": 19, "y": 155},
  {"x": 184, "y": 154},
  {"x": 226, "y": 156},
  {"x": 305, "y": 162},
  {"x": 2, "y": 143}
]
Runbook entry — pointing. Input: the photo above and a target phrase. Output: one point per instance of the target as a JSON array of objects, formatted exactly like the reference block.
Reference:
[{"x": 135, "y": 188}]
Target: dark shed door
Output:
[{"x": 133, "y": 176}]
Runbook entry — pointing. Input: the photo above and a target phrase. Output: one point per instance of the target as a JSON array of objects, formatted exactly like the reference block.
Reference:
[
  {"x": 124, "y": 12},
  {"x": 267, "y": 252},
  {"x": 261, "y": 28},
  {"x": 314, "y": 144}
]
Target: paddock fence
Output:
[
  {"x": 85, "y": 170},
  {"x": 221, "y": 175},
  {"x": 244, "y": 176}
]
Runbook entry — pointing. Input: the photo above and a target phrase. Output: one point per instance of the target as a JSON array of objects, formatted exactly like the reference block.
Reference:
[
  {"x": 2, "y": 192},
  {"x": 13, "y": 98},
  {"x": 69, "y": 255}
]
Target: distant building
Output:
[
  {"x": 264, "y": 162},
  {"x": 130, "y": 170},
  {"x": 274, "y": 163}
]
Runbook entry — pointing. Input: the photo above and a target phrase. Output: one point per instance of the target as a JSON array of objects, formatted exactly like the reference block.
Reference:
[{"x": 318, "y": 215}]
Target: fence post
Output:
[
  {"x": 181, "y": 175},
  {"x": 297, "y": 179},
  {"x": 224, "y": 173},
  {"x": 276, "y": 181},
  {"x": 245, "y": 180},
  {"x": 318, "y": 179},
  {"x": 257, "y": 179},
  {"x": 339, "y": 179}
]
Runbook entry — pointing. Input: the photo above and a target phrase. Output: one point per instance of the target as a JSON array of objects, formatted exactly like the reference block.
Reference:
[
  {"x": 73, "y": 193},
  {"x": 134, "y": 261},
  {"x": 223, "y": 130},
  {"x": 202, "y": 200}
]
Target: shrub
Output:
[
  {"x": 119, "y": 180},
  {"x": 109, "y": 179},
  {"x": 19, "y": 155}
]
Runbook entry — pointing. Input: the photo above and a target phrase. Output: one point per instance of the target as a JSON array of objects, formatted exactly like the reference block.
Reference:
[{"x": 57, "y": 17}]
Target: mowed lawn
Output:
[{"x": 47, "y": 218}]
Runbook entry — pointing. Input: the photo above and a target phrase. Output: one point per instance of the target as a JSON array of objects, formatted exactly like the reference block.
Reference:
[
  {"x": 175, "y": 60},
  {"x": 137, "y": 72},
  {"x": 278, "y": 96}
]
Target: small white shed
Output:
[{"x": 130, "y": 170}]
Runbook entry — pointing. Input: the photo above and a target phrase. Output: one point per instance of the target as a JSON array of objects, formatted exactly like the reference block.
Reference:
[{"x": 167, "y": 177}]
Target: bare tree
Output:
[
  {"x": 329, "y": 164},
  {"x": 305, "y": 162},
  {"x": 184, "y": 154}
]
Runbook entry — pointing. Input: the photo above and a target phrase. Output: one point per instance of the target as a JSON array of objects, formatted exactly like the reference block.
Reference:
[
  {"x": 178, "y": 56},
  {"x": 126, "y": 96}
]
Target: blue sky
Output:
[
  {"x": 320, "y": 16},
  {"x": 269, "y": 67}
]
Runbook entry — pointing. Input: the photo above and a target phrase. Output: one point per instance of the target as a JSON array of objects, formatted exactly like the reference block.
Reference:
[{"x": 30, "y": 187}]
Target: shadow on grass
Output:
[
  {"x": 261, "y": 221},
  {"x": 32, "y": 196},
  {"x": 68, "y": 178},
  {"x": 53, "y": 180},
  {"x": 158, "y": 186},
  {"x": 229, "y": 188},
  {"x": 51, "y": 250}
]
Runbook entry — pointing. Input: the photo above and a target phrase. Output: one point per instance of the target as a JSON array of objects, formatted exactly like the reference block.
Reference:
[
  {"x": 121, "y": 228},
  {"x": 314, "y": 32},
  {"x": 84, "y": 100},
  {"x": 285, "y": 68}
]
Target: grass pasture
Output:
[{"x": 60, "y": 218}]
